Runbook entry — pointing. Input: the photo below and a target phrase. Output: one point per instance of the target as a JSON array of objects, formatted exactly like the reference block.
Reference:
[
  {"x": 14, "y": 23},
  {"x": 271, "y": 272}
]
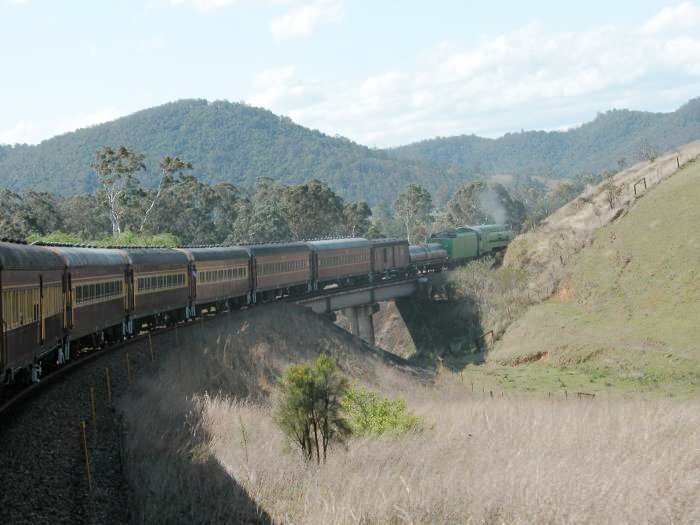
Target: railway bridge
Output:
[{"x": 359, "y": 304}]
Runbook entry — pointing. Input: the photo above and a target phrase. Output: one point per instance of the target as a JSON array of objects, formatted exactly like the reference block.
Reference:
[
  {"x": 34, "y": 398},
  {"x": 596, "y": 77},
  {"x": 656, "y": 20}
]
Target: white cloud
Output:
[
  {"x": 33, "y": 132},
  {"x": 530, "y": 78},
  {"x": 682, "y": 16},
  {"x": 206, "y": 6},
  {"x": 302, "y": 22},
  {"x": 277, "y": 87},
  {"x": 21, "y": 133},
  {"x": 16, "y": 2},
  {"x": 155, "y": 42}
]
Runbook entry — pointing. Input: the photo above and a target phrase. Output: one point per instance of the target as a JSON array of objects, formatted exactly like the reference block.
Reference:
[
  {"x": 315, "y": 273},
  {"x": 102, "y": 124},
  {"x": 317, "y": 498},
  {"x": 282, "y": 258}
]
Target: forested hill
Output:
[
  {"x": 230, "y": 142},
  {"x": 226, "y": 142},
  {"x": 591, "y": 147}
]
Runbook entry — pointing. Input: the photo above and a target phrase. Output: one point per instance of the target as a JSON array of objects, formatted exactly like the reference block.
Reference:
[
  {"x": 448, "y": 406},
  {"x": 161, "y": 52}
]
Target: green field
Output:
[{"x": 626, "y": 317}]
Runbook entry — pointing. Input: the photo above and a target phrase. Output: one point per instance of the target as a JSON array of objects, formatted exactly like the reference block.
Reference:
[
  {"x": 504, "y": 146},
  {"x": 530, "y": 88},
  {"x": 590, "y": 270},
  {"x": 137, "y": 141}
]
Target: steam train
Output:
[{"x": 56, "y": 300}]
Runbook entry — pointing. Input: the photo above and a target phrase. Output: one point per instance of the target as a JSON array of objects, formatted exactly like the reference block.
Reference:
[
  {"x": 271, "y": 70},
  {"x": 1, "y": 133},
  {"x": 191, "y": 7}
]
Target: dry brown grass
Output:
[
  {"x": 492, "y": 461},
  {"x": 545, "y": 251},
  {"x": 198, "y": 457}
]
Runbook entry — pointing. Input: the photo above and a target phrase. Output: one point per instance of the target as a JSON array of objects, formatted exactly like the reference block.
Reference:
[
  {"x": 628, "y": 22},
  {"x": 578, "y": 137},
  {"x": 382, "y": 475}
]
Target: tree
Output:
[
  {"x": 259, "y": 215},
  {"x": 612, "y": 191},
  {"x": 115, "y": 171},
  {"x": 385, "y": 223},
  {"x": 169, "y": 166},
  {"x": 356, "y": 217},
  {"x": 309, "y": 410},
  {"x": 413, "y": 206},
  {"x": 312, "y": 210},
  {"x": 647, "y": 151}
]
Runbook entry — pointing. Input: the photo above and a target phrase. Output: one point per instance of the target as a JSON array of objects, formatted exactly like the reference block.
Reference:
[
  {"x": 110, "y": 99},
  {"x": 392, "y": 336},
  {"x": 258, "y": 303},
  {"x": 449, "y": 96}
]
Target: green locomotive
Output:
[{"x": 470, "y": 242}]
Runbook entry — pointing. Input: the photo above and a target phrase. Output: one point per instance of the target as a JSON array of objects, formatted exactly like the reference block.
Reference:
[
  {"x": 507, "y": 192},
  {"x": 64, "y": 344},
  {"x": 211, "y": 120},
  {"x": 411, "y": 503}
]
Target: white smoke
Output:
[{"x": 493, "y": 210}]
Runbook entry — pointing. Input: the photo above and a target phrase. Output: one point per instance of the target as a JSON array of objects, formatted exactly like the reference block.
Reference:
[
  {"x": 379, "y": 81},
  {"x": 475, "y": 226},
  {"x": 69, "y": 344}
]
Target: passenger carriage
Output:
[
  {"x": 222, "y": 276},
  {"x": 280, "y": 270},
  {"x": 31, "y": 306},
  {"x": 96, "y": 299},
  {"x": 159, "y": 286},
  {"x": 341, "y": 261}
]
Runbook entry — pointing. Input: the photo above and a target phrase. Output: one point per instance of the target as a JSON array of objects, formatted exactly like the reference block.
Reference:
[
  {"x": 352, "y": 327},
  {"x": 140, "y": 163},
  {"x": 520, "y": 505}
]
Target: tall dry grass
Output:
[
  {"x": 201, "y": 445},
  {"x": 484, "y": 461}
]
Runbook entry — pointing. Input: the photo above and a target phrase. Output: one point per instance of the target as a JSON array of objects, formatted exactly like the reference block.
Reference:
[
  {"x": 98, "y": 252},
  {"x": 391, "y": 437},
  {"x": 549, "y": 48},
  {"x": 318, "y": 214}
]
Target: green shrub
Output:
[
  {"x": 372, "y": 415},
  {"x": 309, "y": 410},
  {"x": 126, "y": 238}
]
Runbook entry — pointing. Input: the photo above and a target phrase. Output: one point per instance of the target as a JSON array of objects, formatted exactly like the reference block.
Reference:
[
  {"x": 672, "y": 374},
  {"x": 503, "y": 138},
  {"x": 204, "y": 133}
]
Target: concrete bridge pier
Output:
[{"x": 361, "y": 322}]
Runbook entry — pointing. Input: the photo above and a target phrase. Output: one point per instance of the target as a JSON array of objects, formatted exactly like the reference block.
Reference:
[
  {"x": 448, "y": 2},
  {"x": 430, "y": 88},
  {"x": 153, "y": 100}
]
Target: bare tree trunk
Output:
[
  {"x": 113, "y": 213},
  {"x": 318, "y": 450},
  {"x": 148, "y": 211}
]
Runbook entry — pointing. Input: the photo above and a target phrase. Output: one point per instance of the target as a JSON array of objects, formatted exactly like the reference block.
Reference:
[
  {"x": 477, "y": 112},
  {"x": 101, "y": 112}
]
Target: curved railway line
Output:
[{"x": 45, "y": 474}]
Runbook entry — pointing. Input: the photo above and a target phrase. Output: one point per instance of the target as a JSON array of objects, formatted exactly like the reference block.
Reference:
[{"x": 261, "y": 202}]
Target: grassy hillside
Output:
[
  {"x": 226, "y": 142},
  {"x": 626, "y": 310},
  {"x": 591, "y": 147}
]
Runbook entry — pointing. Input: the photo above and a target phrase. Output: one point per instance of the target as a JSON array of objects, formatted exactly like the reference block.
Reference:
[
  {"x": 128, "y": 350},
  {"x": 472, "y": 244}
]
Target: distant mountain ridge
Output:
[
  {"x": 590, "y": 147},
  {"x": 226, "y": 142},
  {"x": 236, "y": 143}
]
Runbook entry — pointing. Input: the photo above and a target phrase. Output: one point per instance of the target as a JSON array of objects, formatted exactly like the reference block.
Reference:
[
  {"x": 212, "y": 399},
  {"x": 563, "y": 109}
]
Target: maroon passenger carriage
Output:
[
  {"x": 31, "y": 309},
  {"x": 159, "y": 287},
  {"x": 340, "y": 261},
  {"x": 280, "y": 270},
  {"x": 96, "y": 299},
  {"x": 222, "y": 277}
]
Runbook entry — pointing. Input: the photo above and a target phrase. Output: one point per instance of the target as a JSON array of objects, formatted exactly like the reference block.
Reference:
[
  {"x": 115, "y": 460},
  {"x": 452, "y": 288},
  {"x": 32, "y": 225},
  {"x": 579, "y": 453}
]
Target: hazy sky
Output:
[{"x": 381, "y": 73}]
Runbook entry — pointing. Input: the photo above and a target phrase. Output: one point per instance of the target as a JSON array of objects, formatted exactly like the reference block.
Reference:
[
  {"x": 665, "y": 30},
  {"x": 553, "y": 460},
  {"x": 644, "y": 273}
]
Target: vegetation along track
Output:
[{"x": 43, "y": 449}]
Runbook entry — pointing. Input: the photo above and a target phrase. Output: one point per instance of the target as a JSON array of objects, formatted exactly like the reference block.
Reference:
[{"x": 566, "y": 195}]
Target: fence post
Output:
[
  {"x": 94, "y": 412},
  {"x": 87, "y": 457},
  {"x": 109, "y": 386}
]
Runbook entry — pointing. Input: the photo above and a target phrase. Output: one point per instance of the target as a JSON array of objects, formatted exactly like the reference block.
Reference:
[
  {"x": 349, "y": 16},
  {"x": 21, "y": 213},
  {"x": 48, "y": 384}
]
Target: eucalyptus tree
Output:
[
  {"x": 413, "y": 207},
  {"x": 169, "y": 167},
  {"x": 356, "y": 218},
  {"x": 115, "y": 169}
]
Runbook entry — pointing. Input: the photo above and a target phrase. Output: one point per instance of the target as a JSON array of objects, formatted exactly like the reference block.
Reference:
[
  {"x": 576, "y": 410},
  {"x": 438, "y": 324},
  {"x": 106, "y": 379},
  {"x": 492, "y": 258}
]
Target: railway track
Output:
[{"x": 42, "y": 457}]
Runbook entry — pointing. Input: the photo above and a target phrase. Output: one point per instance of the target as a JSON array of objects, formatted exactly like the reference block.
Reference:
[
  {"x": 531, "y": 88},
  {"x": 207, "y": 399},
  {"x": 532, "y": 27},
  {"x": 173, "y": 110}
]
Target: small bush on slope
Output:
[{"x": 373, "y": 415}]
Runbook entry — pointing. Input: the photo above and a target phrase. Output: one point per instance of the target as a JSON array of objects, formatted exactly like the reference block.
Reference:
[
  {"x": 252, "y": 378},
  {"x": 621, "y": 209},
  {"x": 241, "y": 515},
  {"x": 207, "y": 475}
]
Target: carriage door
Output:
[
  {"x": 3, "y": 345},
  {"x": 39, "y": 311},
  {"x": 67, "y": 301},
  {"x": 129, "y": 291}
]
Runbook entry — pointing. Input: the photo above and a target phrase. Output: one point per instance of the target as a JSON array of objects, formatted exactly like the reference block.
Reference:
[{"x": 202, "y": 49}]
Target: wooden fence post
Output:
[{"x": 87, "y": 457}]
